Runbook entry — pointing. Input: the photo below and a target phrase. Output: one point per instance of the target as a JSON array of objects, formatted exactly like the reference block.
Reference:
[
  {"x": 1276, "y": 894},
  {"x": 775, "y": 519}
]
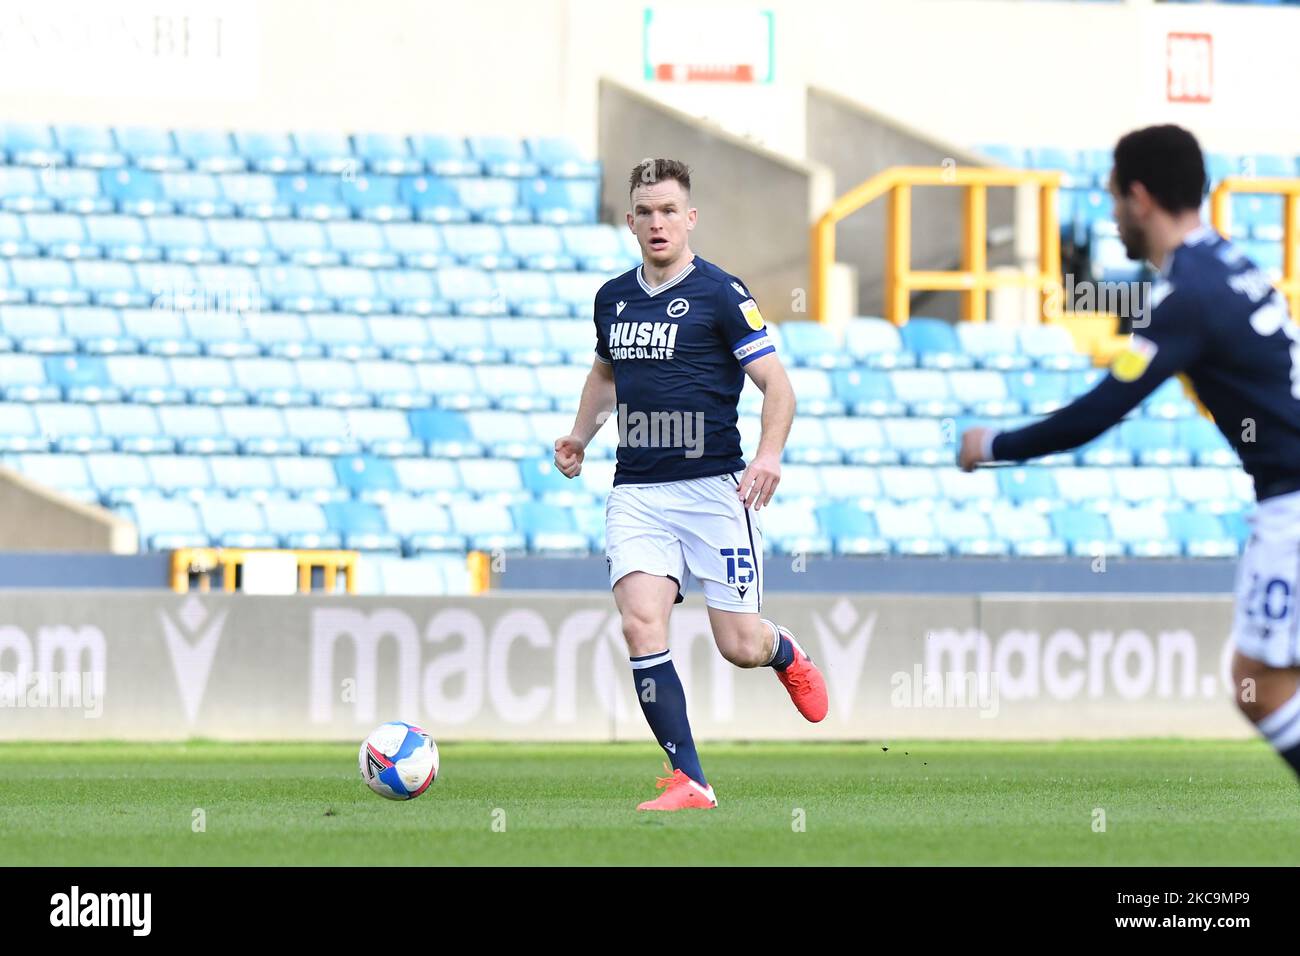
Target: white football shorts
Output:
[
  {"x": 678, "y": 529},
  {"x": 1265, "y": 619}
]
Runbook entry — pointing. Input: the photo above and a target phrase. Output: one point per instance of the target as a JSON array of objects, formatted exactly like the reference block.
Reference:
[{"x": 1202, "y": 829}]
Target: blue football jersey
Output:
[
  {"x": 678, "y": 352},
  {"x": 1215, "y": 317}
]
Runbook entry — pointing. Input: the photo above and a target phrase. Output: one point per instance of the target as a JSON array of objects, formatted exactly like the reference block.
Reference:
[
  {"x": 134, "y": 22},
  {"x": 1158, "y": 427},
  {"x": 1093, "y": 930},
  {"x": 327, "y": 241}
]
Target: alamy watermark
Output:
[
  {"x": 968, "y": 690},
  {"x": 54, "y": 690},
  {"x": 661, "y": 429}
]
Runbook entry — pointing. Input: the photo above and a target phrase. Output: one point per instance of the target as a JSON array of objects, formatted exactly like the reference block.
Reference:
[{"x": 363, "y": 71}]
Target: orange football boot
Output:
[
  {"x": 680, "y": 792},
  {"x": 805, "y": 683}
]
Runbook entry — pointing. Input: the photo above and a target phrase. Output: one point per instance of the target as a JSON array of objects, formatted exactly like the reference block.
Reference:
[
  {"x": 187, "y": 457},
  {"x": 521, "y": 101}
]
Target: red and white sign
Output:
[{"x": 1189, "y": 67}]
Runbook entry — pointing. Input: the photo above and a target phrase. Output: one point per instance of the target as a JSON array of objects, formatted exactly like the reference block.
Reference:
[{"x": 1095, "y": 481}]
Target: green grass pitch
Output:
[{"x": 920, "y": 803}]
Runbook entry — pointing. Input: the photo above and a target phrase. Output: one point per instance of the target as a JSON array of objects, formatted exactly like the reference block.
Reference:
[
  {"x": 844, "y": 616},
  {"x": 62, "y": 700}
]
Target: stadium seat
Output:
[{"x": 935, "y": 343}]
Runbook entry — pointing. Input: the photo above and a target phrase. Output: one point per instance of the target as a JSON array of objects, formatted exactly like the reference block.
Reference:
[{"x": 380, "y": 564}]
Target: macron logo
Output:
[
  {"x": 618, "y": 309},
  {"x": 102, "y": 909},
  {"x": 670, "y": 747}
]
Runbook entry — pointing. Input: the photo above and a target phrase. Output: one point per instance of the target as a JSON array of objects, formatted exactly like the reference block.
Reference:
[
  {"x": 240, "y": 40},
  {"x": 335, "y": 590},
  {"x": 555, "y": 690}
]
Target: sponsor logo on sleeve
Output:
[
  {"x": 753, "y": 317},
  {"x": 1130, "y": 364}
]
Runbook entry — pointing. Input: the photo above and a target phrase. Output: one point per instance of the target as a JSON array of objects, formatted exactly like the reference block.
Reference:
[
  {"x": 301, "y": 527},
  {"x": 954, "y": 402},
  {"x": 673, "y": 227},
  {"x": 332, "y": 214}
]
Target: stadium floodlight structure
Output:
[
  {"x": 1289, "y": 190},
  {"x": 974, "y": 279}
]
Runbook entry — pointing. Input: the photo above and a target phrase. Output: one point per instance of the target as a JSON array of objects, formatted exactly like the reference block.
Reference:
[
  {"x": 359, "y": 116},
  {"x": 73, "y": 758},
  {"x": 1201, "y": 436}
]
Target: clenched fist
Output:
[{"x": 569, "y": 453}]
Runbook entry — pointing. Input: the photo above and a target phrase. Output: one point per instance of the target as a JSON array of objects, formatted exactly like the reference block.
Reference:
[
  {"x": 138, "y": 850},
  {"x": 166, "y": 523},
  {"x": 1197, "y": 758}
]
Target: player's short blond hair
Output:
[{"x": 650, "y": 171}]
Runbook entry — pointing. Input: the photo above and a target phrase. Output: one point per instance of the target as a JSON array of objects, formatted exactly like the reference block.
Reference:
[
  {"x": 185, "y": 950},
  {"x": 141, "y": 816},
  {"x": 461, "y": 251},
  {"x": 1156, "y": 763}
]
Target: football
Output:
[{"x": 398, "y": 761}]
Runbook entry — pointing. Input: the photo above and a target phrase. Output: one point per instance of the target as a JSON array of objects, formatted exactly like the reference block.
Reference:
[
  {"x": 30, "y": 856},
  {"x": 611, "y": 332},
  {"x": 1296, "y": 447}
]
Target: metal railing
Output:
[
  {"x": 1289, "y": 190},
  {"x": 973, "y": 280},
  {"x": 198, "y": 564}
]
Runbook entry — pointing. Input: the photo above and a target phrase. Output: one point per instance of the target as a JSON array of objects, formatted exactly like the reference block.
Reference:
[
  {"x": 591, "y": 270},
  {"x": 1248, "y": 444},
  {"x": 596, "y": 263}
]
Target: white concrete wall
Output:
[{"x": 964, "y": 70}]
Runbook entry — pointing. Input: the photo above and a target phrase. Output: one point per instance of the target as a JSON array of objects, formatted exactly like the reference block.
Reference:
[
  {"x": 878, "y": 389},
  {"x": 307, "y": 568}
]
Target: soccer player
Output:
[
  {"x": 1214, "y": 316},
  {"x": 675, "y": 338}
]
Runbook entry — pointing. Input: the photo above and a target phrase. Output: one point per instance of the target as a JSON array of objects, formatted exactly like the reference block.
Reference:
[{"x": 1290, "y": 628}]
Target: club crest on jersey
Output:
[
  {"x": 1134, "y": 360},
  {"x": 753, "y": 317},
  {"x": 642, "y": 340},
  {"x": 677, "y": 308}
]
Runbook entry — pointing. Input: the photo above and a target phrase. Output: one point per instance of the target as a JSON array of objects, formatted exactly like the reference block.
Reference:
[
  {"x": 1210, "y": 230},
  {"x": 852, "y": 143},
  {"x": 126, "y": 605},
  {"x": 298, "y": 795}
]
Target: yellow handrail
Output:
[
  {"x": 974, "y": 279},
  {"x": 1289, "y": 189},
  {"x": 201, "y": 562}
]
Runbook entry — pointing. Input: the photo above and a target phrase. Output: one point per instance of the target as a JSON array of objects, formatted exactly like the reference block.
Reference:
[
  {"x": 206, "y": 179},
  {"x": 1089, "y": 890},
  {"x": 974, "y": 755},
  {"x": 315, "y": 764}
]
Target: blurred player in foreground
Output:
[
  {"x": 1216, "y": 317},
  {"x": 675, "y": 338}
]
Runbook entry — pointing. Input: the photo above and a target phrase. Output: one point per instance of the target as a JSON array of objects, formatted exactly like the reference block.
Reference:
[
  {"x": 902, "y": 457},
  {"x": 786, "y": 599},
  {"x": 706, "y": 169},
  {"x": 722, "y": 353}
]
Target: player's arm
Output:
[
  {"x": 1171, "y": 342},
  {"x": 594, "y": 407},
  {"x": 741, "y": 325},
  {"x": 763, "y": 473}
]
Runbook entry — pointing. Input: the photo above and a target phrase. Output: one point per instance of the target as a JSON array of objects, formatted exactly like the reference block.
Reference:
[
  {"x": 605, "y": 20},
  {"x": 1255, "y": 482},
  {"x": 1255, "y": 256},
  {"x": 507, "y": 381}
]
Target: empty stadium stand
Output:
[{"x": 371, "y": 342}]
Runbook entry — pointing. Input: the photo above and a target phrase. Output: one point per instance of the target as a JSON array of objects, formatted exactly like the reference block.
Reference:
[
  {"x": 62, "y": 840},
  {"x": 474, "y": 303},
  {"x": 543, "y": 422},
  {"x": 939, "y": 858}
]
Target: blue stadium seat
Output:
[
  {"x": 167, "y": 522},
  {"x": 89, "y": 146},
  {"x": 792, "y": 528},
  {"x": 503, "y": 156},
  {"x": 304, "y": 476},
  {"x": 1027, "y": 530},
  {"x": 935, "y": 343},
  {"x": 491, "y": 199},
  {"x": 1143, "y": 532},
  {"x": 445, "y": 155},
  {"x": 179, "y": 474},
  {"x": 562, "y": 201},
  {"x": 362, "y": 526},
  {"x": 31, "y": 144},
  {"x": 387, "y": 153},
  {"x": 269, "y": 152},
  {"x": 326, "y": 152},
  {"x": 209, "y": 150},
  {"x": 968, "y": 532},
  {"x": 910, "y": 530},
  {"x": 1030, "y": 485},
  {"x": 560, "y": 158},
  {"x": 20, "y": 191},
  {"x": 1206, "y": 489},
  {"x": 235, "y": 522},
  {"x": 991, "y": 346},
  {"x": 1051, "y": 347},
  {"x": 1086, "y": 533},
  {"x": 813, "y": 344},
  {"x": 924, "y": 391},
  {"x": 1153, "y": 442},
  {"x": 254, "y": 195},
  {"x": 596, "y": 247},
  {"x": 538, "y": 247},
  {"x": 241, "y": 474},
  {"x": 301, "y": 524},
  {"x": 852, "y": 530},
  {"x": 1201, "y": 535},
  {"x": 866, "y": 392},
  {"x": 433, "y": 200}
]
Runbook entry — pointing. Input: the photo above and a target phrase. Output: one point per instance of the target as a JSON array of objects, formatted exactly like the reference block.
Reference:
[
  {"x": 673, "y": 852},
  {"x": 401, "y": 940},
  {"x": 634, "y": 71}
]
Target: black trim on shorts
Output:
[
  {"x": 680, "y": 596},
  {"x": 749, "y": 528}
]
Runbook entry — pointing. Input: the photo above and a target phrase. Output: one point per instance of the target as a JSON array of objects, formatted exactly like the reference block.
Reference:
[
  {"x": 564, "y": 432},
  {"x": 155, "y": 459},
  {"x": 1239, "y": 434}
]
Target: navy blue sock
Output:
[
  {"x": 784, "y": 655},
  {"x": 663, "y": 702},
  {"x": 1292, "y": 757},
  {"x": 1282, "y": 728}
]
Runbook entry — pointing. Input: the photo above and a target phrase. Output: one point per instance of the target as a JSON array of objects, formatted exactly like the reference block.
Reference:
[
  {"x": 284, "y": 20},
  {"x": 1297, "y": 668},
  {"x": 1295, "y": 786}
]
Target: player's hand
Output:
[
  {"x": 569, "y": 453},
  {"x": 972, "y": 448},
  {"x": 758, "y": 483}
]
